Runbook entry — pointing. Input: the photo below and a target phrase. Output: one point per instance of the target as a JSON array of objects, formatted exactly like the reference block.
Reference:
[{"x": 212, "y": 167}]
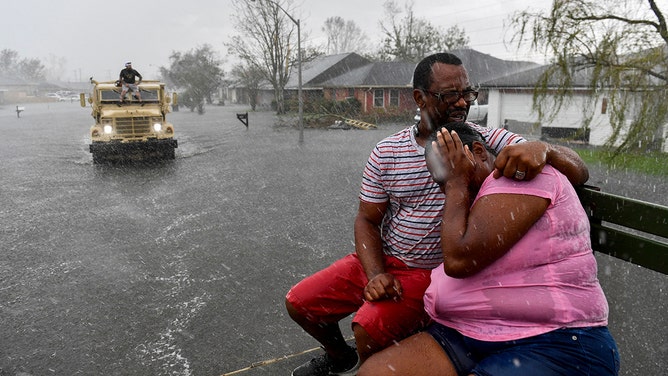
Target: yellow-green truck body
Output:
[{"x": 132, "y": 129}]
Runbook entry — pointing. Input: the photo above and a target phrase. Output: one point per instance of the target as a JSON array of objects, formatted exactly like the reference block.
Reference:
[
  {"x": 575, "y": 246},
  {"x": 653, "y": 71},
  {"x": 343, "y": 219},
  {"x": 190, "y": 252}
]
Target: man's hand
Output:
[
  {"x": 526, "y": 160},
  {"x": 523, "y": 161},
  {"x": 382, "y": 286}
]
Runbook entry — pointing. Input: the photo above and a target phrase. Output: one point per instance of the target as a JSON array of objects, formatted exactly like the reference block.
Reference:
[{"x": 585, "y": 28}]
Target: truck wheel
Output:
[{"x": 169, "y": 154}]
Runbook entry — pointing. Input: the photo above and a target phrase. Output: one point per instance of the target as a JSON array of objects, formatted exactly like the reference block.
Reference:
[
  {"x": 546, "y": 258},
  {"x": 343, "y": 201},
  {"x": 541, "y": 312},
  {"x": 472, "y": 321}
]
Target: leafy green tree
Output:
[
  {"x": 197, "y": 74},
  {"x": 11, "y": 64},
  {"x": 410, "y": 38},
  {"x": 620, "y": 47}
]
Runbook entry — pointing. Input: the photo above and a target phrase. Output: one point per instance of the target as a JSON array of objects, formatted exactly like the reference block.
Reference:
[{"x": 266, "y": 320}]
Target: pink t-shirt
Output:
[
  {"x": 544, "y": 282},
  {"x": 396, "y": 173}
]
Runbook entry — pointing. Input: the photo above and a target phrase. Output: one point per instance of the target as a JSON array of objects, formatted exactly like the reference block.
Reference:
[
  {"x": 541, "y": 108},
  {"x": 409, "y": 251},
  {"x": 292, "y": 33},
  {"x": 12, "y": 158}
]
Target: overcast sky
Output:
[{"x": 96, "y": 37}]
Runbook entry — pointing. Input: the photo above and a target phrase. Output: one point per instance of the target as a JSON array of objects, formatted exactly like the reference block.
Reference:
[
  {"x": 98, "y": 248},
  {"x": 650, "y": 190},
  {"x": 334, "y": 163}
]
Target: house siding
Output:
[
  {"x": 513, "y": 108},
  {"x": 405, "y": 95}
]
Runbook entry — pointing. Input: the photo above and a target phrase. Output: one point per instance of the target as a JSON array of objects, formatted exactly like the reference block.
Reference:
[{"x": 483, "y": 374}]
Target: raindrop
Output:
[{"x": 602, "y": 239}]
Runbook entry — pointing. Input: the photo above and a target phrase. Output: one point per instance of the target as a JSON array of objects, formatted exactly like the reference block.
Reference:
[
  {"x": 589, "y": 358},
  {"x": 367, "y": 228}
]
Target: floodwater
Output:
[{"x": 180, "y": 268}]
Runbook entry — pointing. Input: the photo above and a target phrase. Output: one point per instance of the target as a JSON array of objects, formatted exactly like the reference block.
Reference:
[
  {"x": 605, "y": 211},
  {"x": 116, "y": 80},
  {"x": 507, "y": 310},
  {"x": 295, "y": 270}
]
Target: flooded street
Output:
[{"x": 180, "y": 268}]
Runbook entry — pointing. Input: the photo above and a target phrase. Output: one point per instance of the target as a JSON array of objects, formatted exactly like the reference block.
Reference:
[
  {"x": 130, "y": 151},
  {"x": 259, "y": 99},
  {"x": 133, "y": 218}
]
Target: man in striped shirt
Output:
[{"x": 398, "y": 223}]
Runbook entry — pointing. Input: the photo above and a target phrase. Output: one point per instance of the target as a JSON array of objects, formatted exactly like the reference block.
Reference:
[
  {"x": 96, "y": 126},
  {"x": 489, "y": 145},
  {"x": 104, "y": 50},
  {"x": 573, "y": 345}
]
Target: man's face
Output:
[{"x": 446, "y": 78}]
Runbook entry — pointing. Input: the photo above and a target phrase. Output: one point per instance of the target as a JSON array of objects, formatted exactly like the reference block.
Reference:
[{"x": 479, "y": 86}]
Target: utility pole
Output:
[{"x": 299, "y": 68}]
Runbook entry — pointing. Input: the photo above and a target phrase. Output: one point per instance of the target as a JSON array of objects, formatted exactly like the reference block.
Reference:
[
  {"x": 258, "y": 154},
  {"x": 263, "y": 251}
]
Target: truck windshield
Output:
[{"x": 110, "y": 96}]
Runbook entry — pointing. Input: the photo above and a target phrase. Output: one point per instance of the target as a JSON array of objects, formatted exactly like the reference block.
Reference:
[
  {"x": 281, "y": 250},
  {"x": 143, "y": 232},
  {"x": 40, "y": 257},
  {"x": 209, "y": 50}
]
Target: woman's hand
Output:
[{"x": 456, "y": 159}]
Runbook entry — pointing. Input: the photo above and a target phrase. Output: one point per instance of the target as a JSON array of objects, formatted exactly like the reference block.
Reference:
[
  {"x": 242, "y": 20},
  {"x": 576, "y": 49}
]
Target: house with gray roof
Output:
[
  {"x": 379, "y": 86},
  {"x": 506, "y": 86},
  {"x": 511, "y": 106},
  {"x": 383, "y": 86},
  {"x": 15, "y": 90},
  {"x": 482, "y": 67},
  {"x": 387, "y": 86}
]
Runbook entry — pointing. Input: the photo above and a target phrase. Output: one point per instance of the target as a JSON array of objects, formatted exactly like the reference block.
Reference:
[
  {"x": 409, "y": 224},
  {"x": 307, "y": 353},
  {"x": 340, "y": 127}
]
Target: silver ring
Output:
[{"x": 519, "y": 175}]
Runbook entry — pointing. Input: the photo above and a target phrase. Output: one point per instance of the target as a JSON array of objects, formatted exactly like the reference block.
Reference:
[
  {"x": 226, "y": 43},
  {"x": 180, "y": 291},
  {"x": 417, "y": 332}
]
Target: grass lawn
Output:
[{"x": 647, "y": 163}]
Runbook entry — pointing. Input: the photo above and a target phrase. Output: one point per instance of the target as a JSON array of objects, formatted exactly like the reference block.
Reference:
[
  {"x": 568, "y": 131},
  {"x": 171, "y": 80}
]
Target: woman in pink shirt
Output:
[{"x": 517, "y": 293}]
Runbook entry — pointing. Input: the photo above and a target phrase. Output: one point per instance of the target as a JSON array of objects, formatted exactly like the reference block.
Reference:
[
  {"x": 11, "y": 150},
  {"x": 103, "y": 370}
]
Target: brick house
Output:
[
  {"x": 387, "y": 86},
  {"x": 379, "y": 86}
]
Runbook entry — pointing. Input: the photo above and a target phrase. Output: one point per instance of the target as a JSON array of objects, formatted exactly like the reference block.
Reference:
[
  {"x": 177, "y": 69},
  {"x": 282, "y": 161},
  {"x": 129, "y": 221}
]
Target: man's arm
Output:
[
  {"x": 530, "y": 157},
  {"x": 369, "y": 249},
  {"x": 569, "y": 163}
]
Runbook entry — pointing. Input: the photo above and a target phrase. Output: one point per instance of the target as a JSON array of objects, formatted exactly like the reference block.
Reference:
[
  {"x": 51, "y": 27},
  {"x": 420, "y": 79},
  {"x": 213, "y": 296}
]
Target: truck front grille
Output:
[{"x": 136, "y": 127}]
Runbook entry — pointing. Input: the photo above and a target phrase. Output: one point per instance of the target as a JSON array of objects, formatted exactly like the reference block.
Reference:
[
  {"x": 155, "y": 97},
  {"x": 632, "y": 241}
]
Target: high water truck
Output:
[{"x": 132, "y": 129}]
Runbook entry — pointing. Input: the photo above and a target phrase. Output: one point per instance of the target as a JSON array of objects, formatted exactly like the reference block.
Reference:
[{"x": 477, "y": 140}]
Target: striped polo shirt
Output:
[{"x": 397, "y": 172}]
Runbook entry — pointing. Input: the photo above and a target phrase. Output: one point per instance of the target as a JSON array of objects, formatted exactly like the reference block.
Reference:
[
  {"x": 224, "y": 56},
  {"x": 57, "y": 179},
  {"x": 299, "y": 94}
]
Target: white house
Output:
[{"x": 510, "y": 104}]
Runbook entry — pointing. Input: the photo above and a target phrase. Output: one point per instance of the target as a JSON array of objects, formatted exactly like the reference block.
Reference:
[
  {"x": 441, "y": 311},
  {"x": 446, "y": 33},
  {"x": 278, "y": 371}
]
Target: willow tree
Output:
[{"x": 619, "y": 48}]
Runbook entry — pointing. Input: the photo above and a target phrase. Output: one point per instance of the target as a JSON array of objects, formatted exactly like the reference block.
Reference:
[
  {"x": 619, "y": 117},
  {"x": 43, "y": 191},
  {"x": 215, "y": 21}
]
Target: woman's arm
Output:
[{"x": 474, "y": 237}]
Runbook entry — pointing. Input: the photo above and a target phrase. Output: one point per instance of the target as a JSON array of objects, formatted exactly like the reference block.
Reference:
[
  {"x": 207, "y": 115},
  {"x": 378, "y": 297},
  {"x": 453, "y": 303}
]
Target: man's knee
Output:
[
  {"x": 298, "y": 312},
  {"x": 292, "y": 311}
]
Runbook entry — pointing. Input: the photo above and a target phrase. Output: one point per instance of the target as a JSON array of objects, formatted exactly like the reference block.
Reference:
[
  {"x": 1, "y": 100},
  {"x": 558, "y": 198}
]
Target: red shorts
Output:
[{"x": 337, "y": 291}]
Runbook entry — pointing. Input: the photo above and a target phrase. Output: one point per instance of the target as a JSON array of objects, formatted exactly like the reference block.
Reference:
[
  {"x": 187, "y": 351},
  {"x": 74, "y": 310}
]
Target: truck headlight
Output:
[
  {"x": 157, "y": 127},
  {"x": 107, "y": 129}
]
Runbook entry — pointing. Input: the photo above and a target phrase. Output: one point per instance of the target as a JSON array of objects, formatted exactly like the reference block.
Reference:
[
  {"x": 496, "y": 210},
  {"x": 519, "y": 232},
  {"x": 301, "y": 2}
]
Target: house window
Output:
[
  {"x": 351, "y": 92},
  {"x": 394, "y": 98},
  {"x": 378, "y": 98}
]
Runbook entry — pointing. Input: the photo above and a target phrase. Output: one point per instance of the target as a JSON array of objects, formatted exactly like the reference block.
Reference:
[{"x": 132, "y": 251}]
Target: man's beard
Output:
[{"x": 444, "y": 118}]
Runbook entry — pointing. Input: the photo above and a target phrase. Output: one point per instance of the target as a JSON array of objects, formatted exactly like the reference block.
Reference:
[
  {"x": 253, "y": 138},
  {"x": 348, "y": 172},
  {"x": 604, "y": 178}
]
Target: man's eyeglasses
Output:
[{"x": 451, "y": 97}]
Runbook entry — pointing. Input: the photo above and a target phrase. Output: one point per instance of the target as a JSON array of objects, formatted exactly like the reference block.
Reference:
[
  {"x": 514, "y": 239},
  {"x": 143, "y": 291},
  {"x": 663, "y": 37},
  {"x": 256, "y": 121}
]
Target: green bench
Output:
[
  {"x": 631, "y": 240},
  {"x": 631, "y": 230}
]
